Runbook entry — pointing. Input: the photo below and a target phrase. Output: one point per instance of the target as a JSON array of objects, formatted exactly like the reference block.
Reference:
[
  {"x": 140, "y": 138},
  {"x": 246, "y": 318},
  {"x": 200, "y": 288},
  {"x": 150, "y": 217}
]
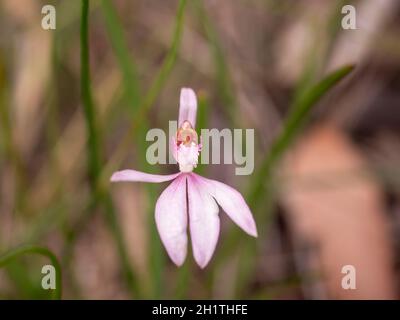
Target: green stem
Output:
[{"x": 92, "y": 134}]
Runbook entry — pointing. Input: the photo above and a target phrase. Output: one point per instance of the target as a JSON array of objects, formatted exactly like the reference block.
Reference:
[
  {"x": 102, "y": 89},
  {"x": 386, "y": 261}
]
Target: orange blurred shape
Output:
[{"x": 334, "y": 202}]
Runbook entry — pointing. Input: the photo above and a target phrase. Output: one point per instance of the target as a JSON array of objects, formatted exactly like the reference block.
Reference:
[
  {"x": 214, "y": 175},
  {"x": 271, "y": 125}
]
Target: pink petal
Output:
[
  {"x": 232, "y": 203},
  {"x": 171, "y": 219},
  {"x": 133, "y": 175},
  {"x": 203, "y": 220},
  {"x": 188, "y": 107}
]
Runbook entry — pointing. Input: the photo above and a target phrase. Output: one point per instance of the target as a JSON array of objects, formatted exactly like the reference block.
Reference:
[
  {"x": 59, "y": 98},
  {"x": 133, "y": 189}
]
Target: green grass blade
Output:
[
  {"x": 261, "y": 191},
  {"x": 138, "y": 128},
  {"x": 124, "y": 58},
  {"x": 297, "y": 116},
  {"x": 169, "y": 60},
  {"x": 87, "y": 100},
  {"x": 203, "y": 110},
  {"x": 150, "y": 96},
  {"x": 100, "y": 196},
  {"x": 224, "y": 82},
  {"x": 12, "y": 254}
]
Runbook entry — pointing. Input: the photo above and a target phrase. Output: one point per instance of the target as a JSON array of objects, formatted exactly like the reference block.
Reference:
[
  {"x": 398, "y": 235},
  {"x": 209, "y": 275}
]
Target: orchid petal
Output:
[
  {"x": 232, "y": 202},
  {"x": 203, "y": 221},
  {"x": 188, "y": 107},
  {"x": 171, "y": 219},
  {"x": 133, "y": 175}
]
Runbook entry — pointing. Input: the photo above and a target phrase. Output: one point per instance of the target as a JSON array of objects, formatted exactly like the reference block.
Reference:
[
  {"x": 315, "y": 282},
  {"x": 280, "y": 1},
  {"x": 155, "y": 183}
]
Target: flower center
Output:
[
  {"x": 186, "y": 134},
  {"x": 187, "y": 147}
]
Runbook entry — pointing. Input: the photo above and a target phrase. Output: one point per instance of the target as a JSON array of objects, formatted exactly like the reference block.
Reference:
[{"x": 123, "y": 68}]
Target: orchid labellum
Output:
[{"x": 191, "y": 199}]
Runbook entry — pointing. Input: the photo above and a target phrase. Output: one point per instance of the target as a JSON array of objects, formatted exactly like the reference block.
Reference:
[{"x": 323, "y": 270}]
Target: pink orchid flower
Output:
[{"x": 190, "y": 198}]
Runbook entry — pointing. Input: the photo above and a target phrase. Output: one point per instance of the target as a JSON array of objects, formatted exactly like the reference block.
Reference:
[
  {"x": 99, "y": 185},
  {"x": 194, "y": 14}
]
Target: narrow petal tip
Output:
[
  {"x": 233, "y": 203},
  {"x": 202, "y": 261},
  {"x": 203, "y": 264},
  {"x": 253, "y": 233},
  {"x": 203, "y": 220},
  {"x": 178, "y": 260},
  {"x": 137, "y": 176},
  {"x": 188, "y": 106},
  {"x": 116, "y": 176}
]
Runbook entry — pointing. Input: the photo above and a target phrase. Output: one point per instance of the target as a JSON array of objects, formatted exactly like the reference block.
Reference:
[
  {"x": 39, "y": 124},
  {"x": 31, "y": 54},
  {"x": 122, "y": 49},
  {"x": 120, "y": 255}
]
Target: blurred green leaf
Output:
[{"x": 8, "y": 142}]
